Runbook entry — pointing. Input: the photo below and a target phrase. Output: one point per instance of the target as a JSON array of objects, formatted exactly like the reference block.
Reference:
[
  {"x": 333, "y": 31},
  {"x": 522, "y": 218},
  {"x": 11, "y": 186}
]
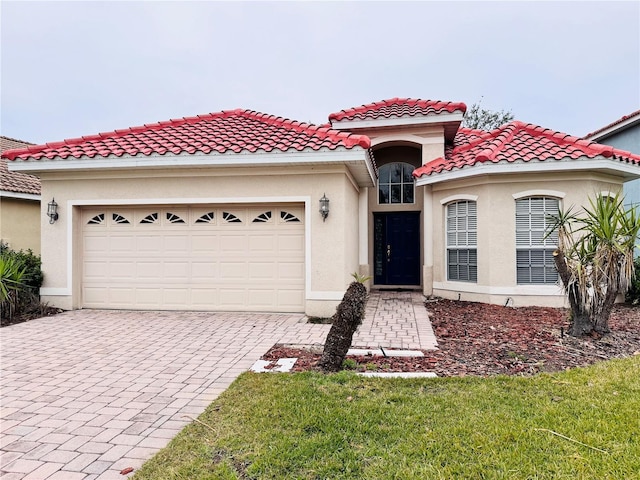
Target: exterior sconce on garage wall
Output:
[
  {"x": 324, "y": 207},
  {"x": 52, "y": 211}
]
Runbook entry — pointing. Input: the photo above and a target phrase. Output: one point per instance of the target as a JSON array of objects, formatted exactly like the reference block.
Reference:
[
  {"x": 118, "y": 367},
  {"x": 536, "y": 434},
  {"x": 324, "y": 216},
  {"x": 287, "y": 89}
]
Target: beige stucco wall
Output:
[
  {"x": 20, "y": 223},
  {"x": 496, "y": 232},
  {"x": 333, "y": 243}
]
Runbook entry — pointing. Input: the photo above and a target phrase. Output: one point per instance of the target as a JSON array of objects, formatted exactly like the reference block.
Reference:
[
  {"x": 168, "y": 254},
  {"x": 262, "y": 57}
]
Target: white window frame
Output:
[
  {"x": 534, "y": 238},
  {"x": 402, "y": 184},
  {"x": 462, "y": 236}
]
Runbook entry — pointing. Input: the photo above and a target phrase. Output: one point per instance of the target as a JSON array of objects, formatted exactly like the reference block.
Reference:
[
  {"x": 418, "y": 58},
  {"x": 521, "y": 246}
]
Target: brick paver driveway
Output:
[{"x": 88, "y": 393}]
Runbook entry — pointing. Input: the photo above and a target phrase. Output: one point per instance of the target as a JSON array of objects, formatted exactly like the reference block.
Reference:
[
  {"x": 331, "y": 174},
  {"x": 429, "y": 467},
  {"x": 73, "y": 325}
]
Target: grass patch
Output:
[{"x": 341, "y": 426}]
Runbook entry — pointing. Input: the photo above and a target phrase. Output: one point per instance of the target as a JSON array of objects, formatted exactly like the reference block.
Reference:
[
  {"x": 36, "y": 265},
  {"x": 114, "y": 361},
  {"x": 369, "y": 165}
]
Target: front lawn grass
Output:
[{"x": 341, "y": 426}]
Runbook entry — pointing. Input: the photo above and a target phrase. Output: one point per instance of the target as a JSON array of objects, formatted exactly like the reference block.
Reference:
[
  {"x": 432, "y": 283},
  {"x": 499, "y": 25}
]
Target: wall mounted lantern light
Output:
[
  {"x": 324, "y": 207},
  {"x": 52, "y": 211}
]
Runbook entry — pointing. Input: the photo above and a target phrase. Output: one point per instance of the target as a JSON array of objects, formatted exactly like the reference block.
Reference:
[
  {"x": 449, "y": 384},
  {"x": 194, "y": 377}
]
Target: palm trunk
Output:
[
  {"x": 346, "y": 320},
  {"x": 581, "y": 322},
  {"x": 601, "y": 318}
]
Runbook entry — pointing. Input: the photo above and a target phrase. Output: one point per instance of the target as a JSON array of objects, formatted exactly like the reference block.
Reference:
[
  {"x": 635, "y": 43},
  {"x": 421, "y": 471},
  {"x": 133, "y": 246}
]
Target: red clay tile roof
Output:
[
  {"x": 16, "y": 182},
  {"x": 397, "y": 107},
  {"x": 223, "y": 132},
  {"x": 518, "y": 141},
  {"x": 613, "y": 124}
]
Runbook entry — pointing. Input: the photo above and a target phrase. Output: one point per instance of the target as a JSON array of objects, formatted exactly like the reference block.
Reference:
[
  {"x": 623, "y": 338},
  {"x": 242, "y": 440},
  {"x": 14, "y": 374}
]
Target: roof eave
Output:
[
  {"x": 20, "y": 195},
  {"x": 357, "y": 159},
  {"x": 601, "y": 164},
  {"x": 614, "y": 128}
]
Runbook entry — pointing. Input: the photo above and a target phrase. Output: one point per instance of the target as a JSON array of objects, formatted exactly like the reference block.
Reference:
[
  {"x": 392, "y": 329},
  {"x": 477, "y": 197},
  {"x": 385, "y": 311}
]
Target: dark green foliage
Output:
[
  {"x": 32, "y": 264},
  {"x": 21, "y": 278},
  {"x": 633, "y": 295}
]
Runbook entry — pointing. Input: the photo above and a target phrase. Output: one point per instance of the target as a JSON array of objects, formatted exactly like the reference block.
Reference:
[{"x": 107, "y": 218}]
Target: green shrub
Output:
[
  {"x": 633, "y": 295},
  {"x": 32, "y": 263},
  {"x": 20, "y": 280},
  {"x": 12, "y": 275}
]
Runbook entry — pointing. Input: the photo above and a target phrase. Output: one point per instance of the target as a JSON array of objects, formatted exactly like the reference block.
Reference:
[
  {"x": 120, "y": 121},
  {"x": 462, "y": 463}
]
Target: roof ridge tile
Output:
[{"x": 403, "y": 107}]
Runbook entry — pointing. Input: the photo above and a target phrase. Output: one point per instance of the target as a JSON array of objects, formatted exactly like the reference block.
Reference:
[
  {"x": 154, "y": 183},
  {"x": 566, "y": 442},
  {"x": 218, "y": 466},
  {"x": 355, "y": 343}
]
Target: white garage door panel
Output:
[{"x": 202, "y": 258}]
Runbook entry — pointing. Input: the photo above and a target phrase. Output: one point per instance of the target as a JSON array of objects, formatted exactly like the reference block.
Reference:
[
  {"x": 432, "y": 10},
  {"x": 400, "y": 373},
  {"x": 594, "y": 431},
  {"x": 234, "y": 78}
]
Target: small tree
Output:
[
  {"x": 345, "y": 322},
  {"x": 481, "y": 119},
  {"x": 594, "y": 259}
]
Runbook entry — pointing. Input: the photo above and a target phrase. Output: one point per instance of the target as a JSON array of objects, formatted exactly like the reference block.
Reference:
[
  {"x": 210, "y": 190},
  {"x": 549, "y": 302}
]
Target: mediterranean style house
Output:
[{"x": 240, "y": 210}]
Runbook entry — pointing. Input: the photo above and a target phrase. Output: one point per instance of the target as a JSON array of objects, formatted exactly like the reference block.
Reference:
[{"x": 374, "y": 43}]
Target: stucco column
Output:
[
  {"x": 432, "y": 147},
  {"x": 363, "y": 233},
  {"x": 427, "y": 267}
]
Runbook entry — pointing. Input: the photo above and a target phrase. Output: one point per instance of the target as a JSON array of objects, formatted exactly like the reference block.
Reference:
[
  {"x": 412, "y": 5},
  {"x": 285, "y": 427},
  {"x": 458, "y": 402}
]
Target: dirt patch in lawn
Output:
[{"x": 479, "y": 339}]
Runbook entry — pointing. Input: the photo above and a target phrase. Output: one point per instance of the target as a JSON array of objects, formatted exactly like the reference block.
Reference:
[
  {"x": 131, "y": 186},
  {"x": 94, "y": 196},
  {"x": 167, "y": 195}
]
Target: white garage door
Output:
[{"x": 194, "y": 258}]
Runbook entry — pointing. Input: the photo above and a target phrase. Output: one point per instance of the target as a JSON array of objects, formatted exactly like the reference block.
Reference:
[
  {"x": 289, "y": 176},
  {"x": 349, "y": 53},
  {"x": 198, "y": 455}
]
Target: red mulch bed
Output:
[{"x": 481, "y": 340}]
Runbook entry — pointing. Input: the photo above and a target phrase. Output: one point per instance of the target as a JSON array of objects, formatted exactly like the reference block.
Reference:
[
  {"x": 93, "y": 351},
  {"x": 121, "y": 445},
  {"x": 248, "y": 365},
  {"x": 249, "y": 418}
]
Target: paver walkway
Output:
[{"x": 87, "y": 393}]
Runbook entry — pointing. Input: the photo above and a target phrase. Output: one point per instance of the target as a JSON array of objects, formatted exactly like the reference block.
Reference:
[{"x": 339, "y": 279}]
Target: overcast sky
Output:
[{"x": 78, "y": 68}]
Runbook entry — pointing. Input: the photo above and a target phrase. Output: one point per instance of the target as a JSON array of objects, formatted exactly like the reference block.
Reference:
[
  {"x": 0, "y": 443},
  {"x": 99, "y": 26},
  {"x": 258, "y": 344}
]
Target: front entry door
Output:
[{"x": 397, "y": 248}]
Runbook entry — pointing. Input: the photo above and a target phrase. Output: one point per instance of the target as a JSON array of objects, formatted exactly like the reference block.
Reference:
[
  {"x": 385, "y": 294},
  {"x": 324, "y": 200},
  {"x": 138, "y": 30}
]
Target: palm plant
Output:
[
  {"x": 12, "y": 278},
  {"x": 594, "y": 259}
]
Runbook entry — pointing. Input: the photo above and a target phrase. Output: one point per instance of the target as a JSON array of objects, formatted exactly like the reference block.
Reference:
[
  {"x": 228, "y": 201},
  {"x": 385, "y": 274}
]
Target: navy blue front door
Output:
[{"x": 396, "y": 248}]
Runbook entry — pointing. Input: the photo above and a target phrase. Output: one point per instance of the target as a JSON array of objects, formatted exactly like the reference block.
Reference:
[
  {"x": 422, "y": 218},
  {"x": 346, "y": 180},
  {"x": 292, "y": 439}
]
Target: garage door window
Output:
[
  {"x": 263, "y": 217},
  {"x": 208, "y": 217},
  {"x": 288, "y": 217}
]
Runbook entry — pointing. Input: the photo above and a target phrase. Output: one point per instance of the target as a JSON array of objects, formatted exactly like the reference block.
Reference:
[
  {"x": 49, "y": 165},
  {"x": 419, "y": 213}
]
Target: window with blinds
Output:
[
  {"x": 534, "y": 242},
  {"x": 462, "y": 241}
]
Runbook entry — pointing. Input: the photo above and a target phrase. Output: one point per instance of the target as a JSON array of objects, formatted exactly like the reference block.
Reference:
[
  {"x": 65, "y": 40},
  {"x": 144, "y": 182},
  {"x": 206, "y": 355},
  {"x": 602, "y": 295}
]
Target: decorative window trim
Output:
[
  {"x": 401, "y": 183},
  {"x": 461, "y": 196},
  {"x": 607, "y": 193},
  {"x": 97, "y": 219},
  {"x": 536, "y": 254},
  {"x": 463, "y": 251},
  {"x": 539, "y": 193}
]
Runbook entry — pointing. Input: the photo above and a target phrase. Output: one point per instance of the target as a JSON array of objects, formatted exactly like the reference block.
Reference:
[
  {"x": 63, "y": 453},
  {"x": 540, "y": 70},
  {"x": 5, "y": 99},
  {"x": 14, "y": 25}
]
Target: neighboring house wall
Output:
[
  {"x": 19, "y": 204},
  {"x": 496, "y": 245},
  {"x": 331, "y": 246},
  {"x": 20, "y": 223},
  {"x": 625, "y": 136},
  {"x": 628, "y": 140}
]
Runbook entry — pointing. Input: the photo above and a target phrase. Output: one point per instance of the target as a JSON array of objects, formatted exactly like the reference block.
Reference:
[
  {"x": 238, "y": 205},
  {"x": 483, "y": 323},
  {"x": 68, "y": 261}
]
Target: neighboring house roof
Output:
[
  {"x": 233, "y": 131},
  {"x": 397, "y": 108},
  {"x": 518, "y": 142},
  {"x": 620, "y": 124},
  {"x": 15, "y": 182}
]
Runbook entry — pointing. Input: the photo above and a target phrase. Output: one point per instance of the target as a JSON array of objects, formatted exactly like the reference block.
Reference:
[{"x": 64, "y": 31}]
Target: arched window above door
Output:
[{"x": 396, "y": 183}]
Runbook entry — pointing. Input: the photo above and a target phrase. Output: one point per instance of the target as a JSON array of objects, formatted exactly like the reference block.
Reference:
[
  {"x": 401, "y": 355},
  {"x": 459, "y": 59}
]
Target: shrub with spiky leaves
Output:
[
  {"x": 20, "y": 279},
  {"x": 595, "y": 260}
]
